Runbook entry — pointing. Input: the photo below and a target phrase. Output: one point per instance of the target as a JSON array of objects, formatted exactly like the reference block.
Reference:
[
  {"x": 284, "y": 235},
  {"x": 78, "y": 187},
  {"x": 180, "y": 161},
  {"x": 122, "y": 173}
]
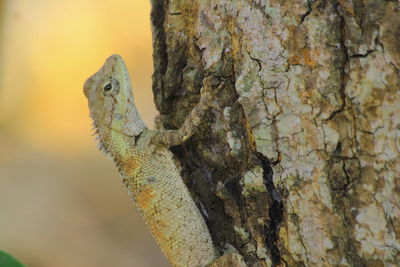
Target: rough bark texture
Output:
[{"x": 299, "y": 164}]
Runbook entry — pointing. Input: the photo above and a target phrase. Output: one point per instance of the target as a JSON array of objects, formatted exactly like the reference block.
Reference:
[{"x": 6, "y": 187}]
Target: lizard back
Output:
[{"x": 166, "y": 205}]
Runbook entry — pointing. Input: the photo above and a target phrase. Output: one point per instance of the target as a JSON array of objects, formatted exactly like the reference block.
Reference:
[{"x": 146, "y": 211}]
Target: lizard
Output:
[{"x": 147, "y": 168}]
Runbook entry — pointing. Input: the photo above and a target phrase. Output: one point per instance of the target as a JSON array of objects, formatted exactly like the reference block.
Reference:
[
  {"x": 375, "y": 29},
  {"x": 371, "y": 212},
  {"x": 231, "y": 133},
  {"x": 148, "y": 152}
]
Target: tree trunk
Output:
[{"x": 298, "y": 165}]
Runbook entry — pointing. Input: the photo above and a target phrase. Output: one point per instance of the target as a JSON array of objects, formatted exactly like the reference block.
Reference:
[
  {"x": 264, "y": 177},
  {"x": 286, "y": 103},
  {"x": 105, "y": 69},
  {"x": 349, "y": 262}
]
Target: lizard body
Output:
[{"x": 146, "y": 165}]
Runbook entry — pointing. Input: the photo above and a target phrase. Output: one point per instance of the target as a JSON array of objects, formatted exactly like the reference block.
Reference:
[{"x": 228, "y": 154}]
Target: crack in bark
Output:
[
  {"x": 308, "y": 12},
  {"x": 345, "y": 65},
  {"x": 272, "y": 117},
  {"x": 362, "y": 55},
  {"x": 256, "y": 60},
  {"x": 275, "y": 212},
  {"x": 295, "y": 220}
]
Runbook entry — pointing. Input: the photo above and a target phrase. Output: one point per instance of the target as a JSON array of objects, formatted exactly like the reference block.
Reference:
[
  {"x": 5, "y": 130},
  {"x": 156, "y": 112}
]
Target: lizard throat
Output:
[
  {"x": 109, "y": 140},
  {"x": 99, "y": 138}
]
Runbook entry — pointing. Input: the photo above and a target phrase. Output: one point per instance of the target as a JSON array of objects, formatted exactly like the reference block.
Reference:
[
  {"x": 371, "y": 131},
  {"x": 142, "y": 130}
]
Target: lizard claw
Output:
[
  {"x": 207, "y": 86},
  {"x": 206, "y": 90}
]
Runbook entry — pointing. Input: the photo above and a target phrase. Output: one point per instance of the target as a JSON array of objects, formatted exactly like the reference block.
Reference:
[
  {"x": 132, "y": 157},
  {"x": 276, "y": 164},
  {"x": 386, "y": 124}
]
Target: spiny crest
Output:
[{"x": 96, "y": 133}]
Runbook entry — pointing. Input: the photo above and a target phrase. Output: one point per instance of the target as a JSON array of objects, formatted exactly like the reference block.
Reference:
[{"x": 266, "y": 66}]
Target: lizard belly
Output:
[{"x": 170, "y": 212}]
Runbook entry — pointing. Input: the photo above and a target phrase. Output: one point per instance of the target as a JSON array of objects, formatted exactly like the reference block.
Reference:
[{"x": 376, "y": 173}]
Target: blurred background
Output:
[{"x": 61, "y": 201}]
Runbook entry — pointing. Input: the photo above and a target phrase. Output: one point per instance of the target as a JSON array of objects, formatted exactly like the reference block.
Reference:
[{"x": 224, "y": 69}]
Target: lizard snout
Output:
[{"x": 87, "y": 86}]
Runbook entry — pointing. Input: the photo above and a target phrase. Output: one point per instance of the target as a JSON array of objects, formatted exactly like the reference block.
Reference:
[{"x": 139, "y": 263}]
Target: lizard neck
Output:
[
  {"x": 118, "y": 130},
  {"x": 115, "y": 142},
  {"x": 132, "y": 123},
  {"x": 123, "y": 149}
]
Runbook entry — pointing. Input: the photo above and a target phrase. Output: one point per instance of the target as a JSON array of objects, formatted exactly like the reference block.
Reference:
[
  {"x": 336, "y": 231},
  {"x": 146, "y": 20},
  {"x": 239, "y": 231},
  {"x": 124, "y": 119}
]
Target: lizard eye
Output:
[
  {"x": 108, "y": 87},
  {"x": 111, "y": 86}
]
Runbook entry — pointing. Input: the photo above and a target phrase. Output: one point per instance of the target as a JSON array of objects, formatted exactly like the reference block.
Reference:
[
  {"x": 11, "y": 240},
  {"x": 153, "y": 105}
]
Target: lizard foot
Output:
[{"x": 207, "y": 93}]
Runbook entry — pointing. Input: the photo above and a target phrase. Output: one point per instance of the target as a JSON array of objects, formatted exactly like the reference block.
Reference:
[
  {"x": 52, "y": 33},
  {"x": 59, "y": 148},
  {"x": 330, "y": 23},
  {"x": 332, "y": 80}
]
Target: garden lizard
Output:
[{"x": 147, "y": 168}]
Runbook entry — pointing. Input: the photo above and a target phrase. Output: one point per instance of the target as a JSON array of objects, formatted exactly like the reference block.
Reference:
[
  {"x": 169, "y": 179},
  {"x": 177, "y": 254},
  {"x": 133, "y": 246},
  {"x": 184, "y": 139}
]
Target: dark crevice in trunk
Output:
[
  {"x": 362, "y": 55},
  {"x": 308, "y": 12},
  {"x": 160, "y": 56},
  {"x": 275, "y": 212}
]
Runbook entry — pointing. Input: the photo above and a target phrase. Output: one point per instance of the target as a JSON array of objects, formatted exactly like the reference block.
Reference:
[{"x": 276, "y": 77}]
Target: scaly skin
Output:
[{"x": 146, "y": 164}]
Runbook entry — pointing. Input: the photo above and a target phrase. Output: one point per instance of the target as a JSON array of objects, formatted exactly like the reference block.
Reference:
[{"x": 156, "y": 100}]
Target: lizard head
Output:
[{"x": 111, "y": 105}]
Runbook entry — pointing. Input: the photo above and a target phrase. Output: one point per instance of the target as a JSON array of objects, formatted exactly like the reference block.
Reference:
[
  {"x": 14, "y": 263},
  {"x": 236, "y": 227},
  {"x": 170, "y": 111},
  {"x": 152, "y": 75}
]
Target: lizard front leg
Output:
[{"x": 176, "y": 137}]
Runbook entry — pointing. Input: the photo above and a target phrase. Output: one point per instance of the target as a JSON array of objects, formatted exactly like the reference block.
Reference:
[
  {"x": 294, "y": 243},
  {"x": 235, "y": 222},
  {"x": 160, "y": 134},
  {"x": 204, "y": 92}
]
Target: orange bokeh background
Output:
[{"x": 61, "y": 201}]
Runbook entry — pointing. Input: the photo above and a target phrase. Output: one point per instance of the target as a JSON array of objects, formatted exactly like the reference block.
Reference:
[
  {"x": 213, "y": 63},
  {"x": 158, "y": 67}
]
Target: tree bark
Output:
[{"x": 298, "y": 165}]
